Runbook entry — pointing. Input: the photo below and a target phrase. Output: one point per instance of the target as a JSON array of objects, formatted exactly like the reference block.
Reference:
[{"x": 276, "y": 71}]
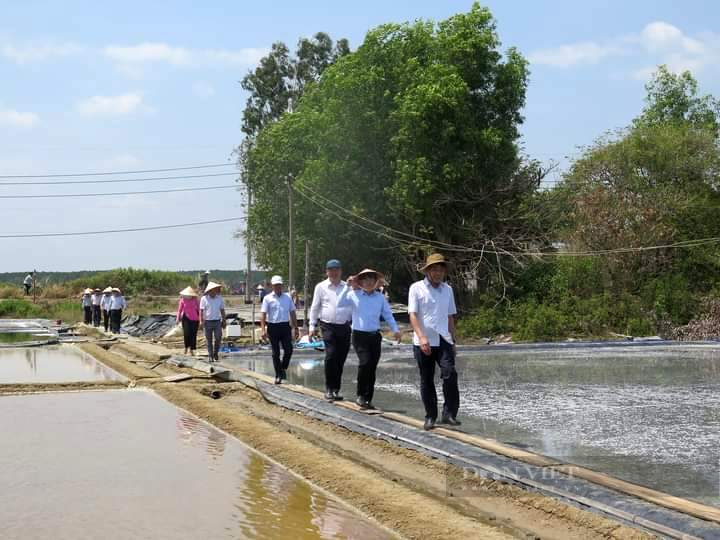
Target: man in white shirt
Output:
[
  {"x": 95, "y": 300},
  {"x": 212, "y": 319},
  {"x": 117, "y": 304},
  {"x": 277, "y": 316},
  {"x": 334, "y": 323},
  {"x": 105, "y": 307},
  {"x": 28, "y": 282},
  {"x": 86, "y": 303},
  {"x": 431, "y": 305}
]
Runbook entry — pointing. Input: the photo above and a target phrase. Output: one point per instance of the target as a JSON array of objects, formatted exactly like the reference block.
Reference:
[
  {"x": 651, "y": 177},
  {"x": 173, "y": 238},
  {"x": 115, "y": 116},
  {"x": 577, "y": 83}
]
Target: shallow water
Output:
[
  {"x": 19, "y": 337},
  {"x": 127, "y": 464},
  {"x": 61, "y": 363},
  {"x": 650, "y": 415}
]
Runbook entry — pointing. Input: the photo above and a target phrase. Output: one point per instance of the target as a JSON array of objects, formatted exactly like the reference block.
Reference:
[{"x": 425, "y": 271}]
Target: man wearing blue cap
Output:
[{"x": 335, "y": 326}]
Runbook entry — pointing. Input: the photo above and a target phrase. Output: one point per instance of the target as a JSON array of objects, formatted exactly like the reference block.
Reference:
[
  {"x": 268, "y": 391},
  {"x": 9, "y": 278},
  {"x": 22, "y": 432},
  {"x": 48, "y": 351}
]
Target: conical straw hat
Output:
[
  {"x": 107, "y": 290},
  {"x": 188, "y": 291},
  {"x": 88, "y": 291},
  {"x": 212, "y": 285}
]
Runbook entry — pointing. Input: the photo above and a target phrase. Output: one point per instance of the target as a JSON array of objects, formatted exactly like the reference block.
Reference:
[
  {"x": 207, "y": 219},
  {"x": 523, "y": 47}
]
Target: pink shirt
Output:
[{"x": 190, "y": 307}]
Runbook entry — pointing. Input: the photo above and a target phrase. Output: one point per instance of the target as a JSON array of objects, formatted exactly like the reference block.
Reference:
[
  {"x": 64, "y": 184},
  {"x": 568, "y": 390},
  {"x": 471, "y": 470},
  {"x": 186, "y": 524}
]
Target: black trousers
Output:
[
  {"x": 106, "y": 318},
  {"x": 96, "y": 315},
  {"x": 337, "y": 346},
  {"x": 444, "y": 356},
  {"x": 367, "y": 348},
  {"x": 115, "y": 317},
  {"x": 87, "y": 314},
  {"x": 190, "y": 332},
  {"x": 280, "y": 334},
  {"x": 27, "y": 289}
]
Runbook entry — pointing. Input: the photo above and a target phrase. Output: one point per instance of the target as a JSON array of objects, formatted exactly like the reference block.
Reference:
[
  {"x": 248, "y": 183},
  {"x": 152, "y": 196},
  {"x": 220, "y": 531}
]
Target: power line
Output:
[
  {"x": 116, "y": 180},
  {"x": 110, "y": 173},
  {"x": 75, "y": 195},
  {"x": 113, "y": 231},
  {"x": 676, "y": 245}
]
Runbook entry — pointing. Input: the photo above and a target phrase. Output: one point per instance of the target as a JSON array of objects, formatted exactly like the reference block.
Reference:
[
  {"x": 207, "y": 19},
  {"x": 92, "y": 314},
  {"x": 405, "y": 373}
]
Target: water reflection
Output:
[
  {"x": 650, "y": 415},
  {"x": 59, "y": 363},
  {"x": 126, "y": 464}
]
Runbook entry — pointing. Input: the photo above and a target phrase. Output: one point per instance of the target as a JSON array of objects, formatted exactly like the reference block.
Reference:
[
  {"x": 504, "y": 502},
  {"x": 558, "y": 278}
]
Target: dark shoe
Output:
[
  {"x": 336, "y": 396},
  {"x": 283, "y": 374},
  {"x": 277, "y": 380},
  {"x": 369, "y": 406},
  {"x": 449, "y": 420},
  {"x": 429, "y": 424},
  {"x": 361, "y": 402},
  {"x": 329, "y": 395}
]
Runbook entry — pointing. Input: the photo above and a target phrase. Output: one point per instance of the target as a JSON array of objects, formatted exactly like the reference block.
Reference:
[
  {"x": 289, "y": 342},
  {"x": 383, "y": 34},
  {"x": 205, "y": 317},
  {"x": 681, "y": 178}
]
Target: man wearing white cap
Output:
[
  {"x": 277, "y": 319},
  {"x": 212, "y": 319},
  {"x": 204, "y": 280},
  {"x": 117, "y": 304},
  {"x": 335, "y": 326}
]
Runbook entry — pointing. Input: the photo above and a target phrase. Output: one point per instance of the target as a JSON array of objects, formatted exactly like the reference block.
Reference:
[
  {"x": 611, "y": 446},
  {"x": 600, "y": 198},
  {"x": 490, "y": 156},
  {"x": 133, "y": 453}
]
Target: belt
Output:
[
  {"x": 334, "y": 324},
  {"x": 365, "y": 333}
]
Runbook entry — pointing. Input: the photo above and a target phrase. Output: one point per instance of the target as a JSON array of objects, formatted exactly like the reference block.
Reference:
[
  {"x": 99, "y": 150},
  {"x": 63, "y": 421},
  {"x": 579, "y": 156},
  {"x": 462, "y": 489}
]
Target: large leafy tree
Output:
[
  {"x": 655, "y": 183},
  {"x": 405, "y": 146}
]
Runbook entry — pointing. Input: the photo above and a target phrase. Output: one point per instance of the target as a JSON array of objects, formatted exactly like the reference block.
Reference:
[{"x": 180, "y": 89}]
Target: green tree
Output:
[{"x": 417, "y": 130}]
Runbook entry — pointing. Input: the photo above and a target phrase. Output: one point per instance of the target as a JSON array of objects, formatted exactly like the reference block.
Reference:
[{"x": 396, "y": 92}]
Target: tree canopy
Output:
[{"x": 405, "y": 146}]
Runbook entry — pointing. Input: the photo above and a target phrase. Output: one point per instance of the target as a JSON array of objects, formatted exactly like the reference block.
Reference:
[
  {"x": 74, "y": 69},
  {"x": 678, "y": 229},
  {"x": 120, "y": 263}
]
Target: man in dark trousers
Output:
[
  {"x": 335, "y": 326},
  {"x": 431, "y": 305},
  {"x": 277, "y": 319}
]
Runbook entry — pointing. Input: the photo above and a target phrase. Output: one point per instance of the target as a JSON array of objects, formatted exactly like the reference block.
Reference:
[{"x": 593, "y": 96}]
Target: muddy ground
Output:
[{"x": 401, "y": 489}]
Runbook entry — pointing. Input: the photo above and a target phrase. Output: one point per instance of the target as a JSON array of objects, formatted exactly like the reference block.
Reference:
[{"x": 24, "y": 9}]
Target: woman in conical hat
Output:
[{"x": 188, "y": 314}]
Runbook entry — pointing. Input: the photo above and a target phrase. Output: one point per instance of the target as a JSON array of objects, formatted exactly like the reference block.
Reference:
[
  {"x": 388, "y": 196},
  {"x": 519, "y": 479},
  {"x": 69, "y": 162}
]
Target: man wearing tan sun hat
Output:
[
  {"x": 367, "y": 306},
  {"x": 105, "y": 306},
  {"x": 431, "y": 305}
]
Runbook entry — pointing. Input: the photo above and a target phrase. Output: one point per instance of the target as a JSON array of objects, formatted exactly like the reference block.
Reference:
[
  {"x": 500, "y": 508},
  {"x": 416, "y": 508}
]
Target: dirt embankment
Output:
[{"x": 401, "y": 489}]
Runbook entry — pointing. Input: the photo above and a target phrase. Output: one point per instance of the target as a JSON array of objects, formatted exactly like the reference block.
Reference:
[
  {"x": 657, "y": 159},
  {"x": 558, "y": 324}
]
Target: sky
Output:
[{"x": 103, "y": 87}]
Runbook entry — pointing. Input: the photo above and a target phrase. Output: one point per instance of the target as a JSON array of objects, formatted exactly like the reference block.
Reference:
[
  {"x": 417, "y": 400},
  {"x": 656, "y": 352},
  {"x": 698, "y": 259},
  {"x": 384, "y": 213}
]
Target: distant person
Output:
[
  {"x": 334, "y": 324},
  {"x": 105, "y": 306},
  {"x": 294, "y": 295},
  {"x": 28, "y": 282},
  {"x": 212, "y": 319},
  {"x": 96, "y": 298},
  {"x": 204, "y": 280},
  {"x": 117, "y": 304},
  {"x": 86, "y": 303},
  {"x": 431, "y": 305},
  {"x": 262, "y": 291},
  {"x": 278, "y": 323},
  {"x": 367, "y": 305},
  {"x": 188, "y": 314}
]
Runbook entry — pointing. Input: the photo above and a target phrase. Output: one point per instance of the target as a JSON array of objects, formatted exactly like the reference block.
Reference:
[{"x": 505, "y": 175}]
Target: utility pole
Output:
[
  {"x": 306, "y": 286},
  {"x": 291, "y": 237},
  {"x": 249, "y": 297}
]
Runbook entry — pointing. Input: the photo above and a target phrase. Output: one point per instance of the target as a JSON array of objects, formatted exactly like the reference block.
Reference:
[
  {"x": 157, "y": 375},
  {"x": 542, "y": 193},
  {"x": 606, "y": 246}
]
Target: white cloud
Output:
[
  {"x": 146, "y": 53},
  {"x": 121, "y": 105},
  {"x": 25, "y": 54},
  {"x": 571, "y": 55},
  {"x": 203, "y": 89},
  {"x": 657, "y": 43},
  {"x": 13, "y": 118}
]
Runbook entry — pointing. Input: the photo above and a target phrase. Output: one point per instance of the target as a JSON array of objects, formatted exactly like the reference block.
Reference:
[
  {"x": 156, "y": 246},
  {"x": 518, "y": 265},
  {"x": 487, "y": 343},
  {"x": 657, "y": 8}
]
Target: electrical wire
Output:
[
  {"x": 468, "y": 249},
  {"x": 114, "y": 231},
  {"x": 118, "y": 193},
  {"x": 110, "y": 173},
  {"x": 116, "y": 180}
]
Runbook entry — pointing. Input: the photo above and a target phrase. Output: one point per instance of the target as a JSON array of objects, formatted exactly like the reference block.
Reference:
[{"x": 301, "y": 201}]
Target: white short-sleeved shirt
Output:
[
  {"x": 211, "y": 307},
  {"x": 432, "y": 306},
  {"x": 277, "y": 308},
  {"x": 324, "y": 305},
  {"x": 105, "y": 302},
  {"x": 117, "y": 302}
]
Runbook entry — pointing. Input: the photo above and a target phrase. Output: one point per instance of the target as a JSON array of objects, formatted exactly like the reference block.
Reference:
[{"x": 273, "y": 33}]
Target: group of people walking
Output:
[
  {"x": 103, "y": 307},
  {"x": 350, "y": 313}
]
